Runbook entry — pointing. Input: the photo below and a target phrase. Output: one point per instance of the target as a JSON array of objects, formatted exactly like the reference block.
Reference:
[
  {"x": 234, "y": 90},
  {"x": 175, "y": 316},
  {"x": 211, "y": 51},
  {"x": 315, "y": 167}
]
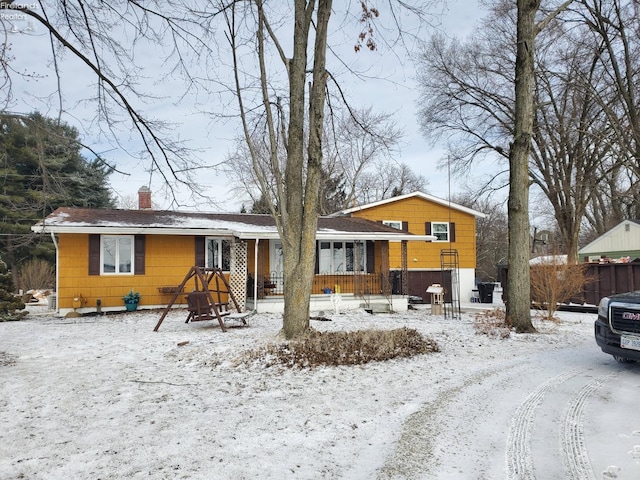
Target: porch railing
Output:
[{"x": 357, "y": 284}]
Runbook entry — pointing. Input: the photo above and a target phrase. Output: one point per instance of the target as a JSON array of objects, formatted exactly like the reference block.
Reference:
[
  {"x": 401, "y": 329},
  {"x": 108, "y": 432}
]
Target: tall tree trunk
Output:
[
  {"x": 519, "y": 282},
  {"x": 302, "y": 184}
]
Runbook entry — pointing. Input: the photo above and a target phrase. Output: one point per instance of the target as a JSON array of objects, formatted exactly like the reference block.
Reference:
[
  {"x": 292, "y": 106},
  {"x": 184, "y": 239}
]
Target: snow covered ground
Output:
[{"x": 108, "y": 398}]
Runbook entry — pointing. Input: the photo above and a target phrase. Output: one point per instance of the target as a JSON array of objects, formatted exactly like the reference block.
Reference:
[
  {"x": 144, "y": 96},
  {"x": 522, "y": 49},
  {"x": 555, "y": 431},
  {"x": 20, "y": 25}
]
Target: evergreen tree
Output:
[
  {"x": 9, "y": 303},
  {"x": 332, "y": 194},
  {"x": 260, "y": 206},
  {"x": 41, "y": 169}
]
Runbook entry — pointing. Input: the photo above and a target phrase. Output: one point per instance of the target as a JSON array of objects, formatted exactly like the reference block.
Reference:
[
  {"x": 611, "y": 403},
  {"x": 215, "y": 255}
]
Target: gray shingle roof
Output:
[{"x": 243, "y": 225}]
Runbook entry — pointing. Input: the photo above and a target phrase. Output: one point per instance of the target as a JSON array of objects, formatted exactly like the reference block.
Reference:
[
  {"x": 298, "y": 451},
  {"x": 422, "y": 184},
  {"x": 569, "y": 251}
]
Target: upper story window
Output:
[
  {"x": 440, "y": 230},
  {"x": 218, "y": 253},
  {"x": 397, "y": 224},
  {"x": 340, "y": 257},
  {"x": 116, "y": 254}
]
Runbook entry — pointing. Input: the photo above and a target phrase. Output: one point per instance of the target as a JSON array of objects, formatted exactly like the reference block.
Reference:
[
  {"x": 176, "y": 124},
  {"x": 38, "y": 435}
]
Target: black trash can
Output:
[{"x": 485, "y": 292}]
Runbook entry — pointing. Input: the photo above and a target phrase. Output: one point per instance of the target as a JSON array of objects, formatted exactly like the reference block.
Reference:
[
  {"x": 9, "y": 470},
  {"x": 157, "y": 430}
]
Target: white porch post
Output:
[{"x": 255, "y": 275}]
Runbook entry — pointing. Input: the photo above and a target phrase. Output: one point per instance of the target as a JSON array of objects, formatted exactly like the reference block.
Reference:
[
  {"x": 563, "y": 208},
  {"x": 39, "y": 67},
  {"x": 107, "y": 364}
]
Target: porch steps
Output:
[{"x": 376, "y": 307}]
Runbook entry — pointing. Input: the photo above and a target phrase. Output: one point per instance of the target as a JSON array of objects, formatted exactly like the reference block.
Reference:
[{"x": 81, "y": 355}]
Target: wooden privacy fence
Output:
[{"x": 610, "y": 278}]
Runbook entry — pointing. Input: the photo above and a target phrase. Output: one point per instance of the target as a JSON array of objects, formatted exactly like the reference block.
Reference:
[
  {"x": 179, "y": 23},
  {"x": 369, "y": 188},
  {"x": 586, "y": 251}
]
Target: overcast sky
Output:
[{"x": 399, "y": 97}]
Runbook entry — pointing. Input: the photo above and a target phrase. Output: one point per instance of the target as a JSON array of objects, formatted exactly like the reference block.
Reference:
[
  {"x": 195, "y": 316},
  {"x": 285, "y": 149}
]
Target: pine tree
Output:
[
  {"x": 41, "y": 169},
  {"x": 10, "y": 305}
]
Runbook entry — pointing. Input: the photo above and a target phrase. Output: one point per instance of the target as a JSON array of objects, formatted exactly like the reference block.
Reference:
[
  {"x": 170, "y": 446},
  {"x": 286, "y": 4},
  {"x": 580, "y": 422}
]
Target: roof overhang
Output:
[
  {"x": 417, "y": 194},
  {"x": 244, "y": 235}
]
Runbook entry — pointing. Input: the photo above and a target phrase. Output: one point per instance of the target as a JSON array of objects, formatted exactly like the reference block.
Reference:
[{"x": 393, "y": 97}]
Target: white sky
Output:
[{"x": 214, "y": 141}]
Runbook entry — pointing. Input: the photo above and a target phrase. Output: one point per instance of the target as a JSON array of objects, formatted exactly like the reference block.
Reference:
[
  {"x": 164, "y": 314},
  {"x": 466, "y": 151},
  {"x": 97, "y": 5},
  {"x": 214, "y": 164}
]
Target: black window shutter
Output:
[
  {"x": 139, "y": 249},
  {"x": 405, "y": 226},
  {"x": 427, "y": 228},
  {"x": 452, "y": 232},
  {"x": 316, "y": 269},
  {"x": 371, "y": 257},
  {"x": 199, "y": 247},
  {"x": 94, "y": 254}
]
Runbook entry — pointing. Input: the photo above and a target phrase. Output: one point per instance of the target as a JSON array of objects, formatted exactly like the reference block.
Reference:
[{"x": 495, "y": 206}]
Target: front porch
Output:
[
  {"x": 334, "y": 302},
  {"x": 358, "y": 283},
  {"x": 330, "y": 292}
]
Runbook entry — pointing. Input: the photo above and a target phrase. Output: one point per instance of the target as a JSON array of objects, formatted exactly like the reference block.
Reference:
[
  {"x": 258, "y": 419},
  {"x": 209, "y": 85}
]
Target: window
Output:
[
  {"x": 393, "y": 224},
  {"x": 440, "y": 230},
  {"x": 443, "y": 231},
  {"x": 116, "y": 254},
  {"x": 340, "y": 257},
  {"x": 218, "y": 253}
]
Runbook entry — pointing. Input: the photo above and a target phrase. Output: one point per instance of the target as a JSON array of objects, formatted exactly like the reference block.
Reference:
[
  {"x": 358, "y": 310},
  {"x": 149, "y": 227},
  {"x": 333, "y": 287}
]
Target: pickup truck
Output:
[{"x": 617, "y": 329}]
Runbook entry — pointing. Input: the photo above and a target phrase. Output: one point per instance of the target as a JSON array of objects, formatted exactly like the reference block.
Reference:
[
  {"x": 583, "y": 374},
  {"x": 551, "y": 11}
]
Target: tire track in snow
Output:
[
  {"x": 518, "y": 451},
  {"x": 414, "y": 448},
  {"x": 574, "y": 451}
]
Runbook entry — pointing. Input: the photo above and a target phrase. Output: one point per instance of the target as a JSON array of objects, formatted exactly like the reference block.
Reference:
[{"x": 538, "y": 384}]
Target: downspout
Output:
[
  {"x": 55, "y": 244},
  {"x": 255, "y": 276}
]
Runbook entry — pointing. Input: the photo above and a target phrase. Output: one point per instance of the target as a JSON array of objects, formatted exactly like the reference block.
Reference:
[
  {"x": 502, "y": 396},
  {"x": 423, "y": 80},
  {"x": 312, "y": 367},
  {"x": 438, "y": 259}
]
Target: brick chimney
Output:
[{"x": 144, "y": 198}]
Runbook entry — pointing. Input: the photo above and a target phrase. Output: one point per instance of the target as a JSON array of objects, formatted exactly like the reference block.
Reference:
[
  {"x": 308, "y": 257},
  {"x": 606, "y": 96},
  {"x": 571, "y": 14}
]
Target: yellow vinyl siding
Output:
[
  {"x": 167, "y": 261},
  {"x": 417, "y": 211}
]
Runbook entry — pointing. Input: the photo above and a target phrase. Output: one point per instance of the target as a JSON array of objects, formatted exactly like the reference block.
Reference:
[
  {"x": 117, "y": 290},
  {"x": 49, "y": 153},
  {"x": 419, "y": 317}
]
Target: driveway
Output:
[{"x": 571, "y": 413}]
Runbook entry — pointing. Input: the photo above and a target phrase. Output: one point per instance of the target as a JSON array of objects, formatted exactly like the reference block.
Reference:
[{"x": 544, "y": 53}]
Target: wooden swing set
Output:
[{"x": 206, "y": 301}]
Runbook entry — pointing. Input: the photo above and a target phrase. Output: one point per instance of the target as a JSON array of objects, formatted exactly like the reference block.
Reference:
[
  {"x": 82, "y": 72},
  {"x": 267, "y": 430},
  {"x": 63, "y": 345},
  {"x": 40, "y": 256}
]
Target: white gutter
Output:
[
  {"x": 243, "y": 235},
  {"x": 55, "y": 244},
  {"x": 133, "y": 230}
]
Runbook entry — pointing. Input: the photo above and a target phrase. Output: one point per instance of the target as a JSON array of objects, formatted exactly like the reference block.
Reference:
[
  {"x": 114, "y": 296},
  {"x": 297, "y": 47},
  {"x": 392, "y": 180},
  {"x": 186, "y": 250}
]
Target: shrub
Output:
[
  {"x": 556, "y": 282},
  {"x": 9, "y": 303},
  {"x": 493, "y": 323},
  {"x": 36, "y": 274},
  {"x": 344, "y": 348}
]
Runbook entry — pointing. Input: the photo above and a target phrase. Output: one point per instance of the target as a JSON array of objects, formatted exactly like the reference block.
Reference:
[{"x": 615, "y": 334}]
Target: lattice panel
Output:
[{"x": 238, "y": 273}]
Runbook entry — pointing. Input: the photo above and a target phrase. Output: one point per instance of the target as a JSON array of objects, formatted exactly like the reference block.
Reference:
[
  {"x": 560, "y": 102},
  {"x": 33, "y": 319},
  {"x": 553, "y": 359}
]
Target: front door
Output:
[{"x": 276, "y": 263}]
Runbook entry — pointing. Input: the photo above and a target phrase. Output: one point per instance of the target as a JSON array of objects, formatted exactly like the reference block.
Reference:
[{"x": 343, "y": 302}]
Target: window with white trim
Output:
[
  {"x": 397, "y": 224},
  {"x": 440, "y": 230},
  {"x": 218, "y": 253},
  {"x": 116, "y": 254},
  {"x": 340, "y": 257}
]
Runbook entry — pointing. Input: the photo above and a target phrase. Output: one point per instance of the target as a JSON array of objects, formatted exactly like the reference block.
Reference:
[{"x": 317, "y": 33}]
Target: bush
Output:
[
  {"x": 37, "y": 274},
  {"x": 9, "y": 303},
  {"x": 556, "y": 282},
  {"x": 344, "y": 348},
  {"x": 493, "y": 323}
]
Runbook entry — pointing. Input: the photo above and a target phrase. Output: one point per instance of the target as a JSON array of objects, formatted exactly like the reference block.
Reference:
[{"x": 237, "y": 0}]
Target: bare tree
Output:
[
  {"x": 574, "y": 146},
  {"x": 289, "y": 120},
  {"x": 296, "y": 179},
  {"x": 107, "y": 39},
  {"x": 615, "y": 25},
  {"x": 491, "y": 233},
  {"x": 519, "y": 282},
  {"x": 477, "y": 104},
  {"x": 359, "y": 147}
]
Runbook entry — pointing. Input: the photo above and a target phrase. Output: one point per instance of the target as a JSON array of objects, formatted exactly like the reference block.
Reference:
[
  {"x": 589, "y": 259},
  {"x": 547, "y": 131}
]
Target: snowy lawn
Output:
[{"x": 108, "y": 398}]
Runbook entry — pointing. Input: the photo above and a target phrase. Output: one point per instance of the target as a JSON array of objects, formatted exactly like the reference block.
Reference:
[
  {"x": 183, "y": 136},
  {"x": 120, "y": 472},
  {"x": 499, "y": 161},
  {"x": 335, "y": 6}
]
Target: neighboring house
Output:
[
  {"x": 620, "y": 242},
  {"x": 453, "y": 251},
  {"x": 104, "y": 253}
]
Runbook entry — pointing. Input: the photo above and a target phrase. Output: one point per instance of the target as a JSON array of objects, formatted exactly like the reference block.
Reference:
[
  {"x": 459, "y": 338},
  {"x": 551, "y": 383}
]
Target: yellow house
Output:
[
  {"x": 102, "y": 254},
  {"x": 449, "y": 260}
]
